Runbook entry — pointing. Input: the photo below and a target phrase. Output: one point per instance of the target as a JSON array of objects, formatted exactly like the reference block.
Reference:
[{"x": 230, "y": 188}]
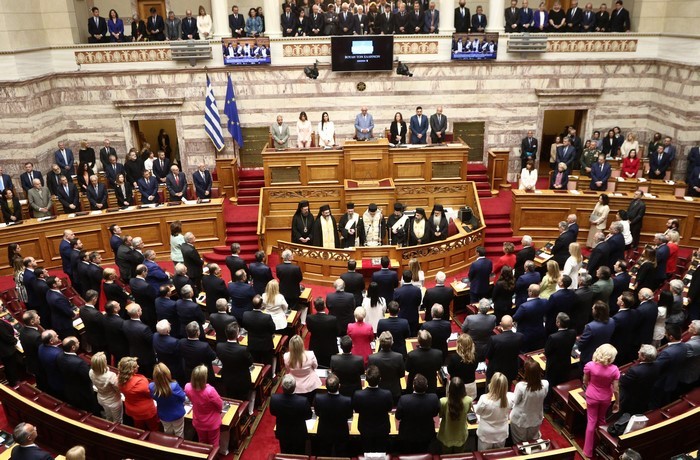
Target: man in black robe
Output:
[
  {"x": 438, "y": 223},
  {"x": 302, "y": 224},
  {"x": 352, "y": 229},
  {"x": 418, "y": 229},
  {"x": 398, "y": 235}
]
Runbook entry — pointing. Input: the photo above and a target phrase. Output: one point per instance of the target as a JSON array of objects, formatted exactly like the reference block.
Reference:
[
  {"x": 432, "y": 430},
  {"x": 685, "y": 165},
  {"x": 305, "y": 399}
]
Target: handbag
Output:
[
  {"x": 617, "y": 428},
  {"x": 540, "y": 445}
]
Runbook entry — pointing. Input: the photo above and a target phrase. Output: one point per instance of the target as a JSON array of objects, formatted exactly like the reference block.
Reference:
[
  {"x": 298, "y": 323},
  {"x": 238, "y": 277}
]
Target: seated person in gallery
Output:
[
  {"x": 375, "y": 226},
  {"x": 352, "y": 228},
  {"x": 302, "y": 224},
  {"x": 325, "y": 231},
  {"x": 397, "y": 226}
]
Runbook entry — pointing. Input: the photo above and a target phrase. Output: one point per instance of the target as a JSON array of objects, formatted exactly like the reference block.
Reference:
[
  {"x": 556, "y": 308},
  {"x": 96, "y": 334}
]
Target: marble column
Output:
[
  {"x": 447, "y": 19},
  {"x": 496, "y": 21},
  {"x": 219, "y": 17},
  {"x": 272, "y": 18}
]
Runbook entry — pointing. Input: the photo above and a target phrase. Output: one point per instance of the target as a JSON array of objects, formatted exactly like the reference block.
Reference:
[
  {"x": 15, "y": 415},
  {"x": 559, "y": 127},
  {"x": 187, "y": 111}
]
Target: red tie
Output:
[{"x": 177, "y": 180}]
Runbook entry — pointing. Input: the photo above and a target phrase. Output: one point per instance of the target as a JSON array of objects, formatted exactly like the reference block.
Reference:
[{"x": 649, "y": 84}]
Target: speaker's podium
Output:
[{"x": 366, "y": 160}]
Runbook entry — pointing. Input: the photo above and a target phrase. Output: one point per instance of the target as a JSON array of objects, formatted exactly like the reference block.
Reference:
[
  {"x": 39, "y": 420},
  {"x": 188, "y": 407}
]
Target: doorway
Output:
[
  {"x": 553, "y": 125},
  {"x": 148, "y": 131},
  {"x": 472, "y": 133},
  {"x": 144, "y": 8}
]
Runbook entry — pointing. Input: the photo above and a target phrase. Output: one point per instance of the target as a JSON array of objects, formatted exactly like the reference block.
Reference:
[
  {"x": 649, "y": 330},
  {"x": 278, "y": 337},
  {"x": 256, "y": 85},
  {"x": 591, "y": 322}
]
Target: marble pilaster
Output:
[
  {"x": 272, "y": 18},
  {"x": 219, "y": 15},
  {"x": 496, "y": 21},
  {"x": 447, "y": 20}
]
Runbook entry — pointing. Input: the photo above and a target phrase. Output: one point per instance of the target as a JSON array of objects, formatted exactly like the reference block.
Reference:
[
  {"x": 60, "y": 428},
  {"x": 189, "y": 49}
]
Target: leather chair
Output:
[
  {"x": 464, "y": 456},
  {"x": 128, "y": 431},
  {"x": 196, "y": 447},
  {"x": 98, "y": 422},
  {"x": 167, "y": 440},
  {"x": 506, "y": 452},
  {"x": 415, "y": 457},
  {"x": 27, "y": 391},
  {"x": 48, "y": 401}
]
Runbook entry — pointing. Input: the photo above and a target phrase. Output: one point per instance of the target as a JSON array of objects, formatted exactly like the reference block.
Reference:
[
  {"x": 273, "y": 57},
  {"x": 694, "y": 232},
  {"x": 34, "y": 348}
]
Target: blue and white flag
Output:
[
  {"x": 231, "y": 111},
  {"x": 212, "y": 120}
]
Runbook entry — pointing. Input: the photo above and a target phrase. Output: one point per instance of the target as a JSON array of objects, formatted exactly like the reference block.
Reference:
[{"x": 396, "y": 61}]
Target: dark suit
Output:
[
  {"x": 161, "y": 171},
  {"x": 438, "y": 127},
  {"x": 127, "y": 259},
  {"x": 661, "y": 164},
  {"x": 528, "y": 150},
  {"x": 621, "y": 283},
  {"x": 479, "y": 276},
  {"x": 289, "y": 276},
  {"x": 202, "y": 185},
  {"x": 145, "y": 296},
  {"x": 560, "y": 250},
  {"x": 431, "y": 18},
  {"x": 261, "y": 328},
  {"x": 401, "y": 22},
  {"x": 289, "y": 22},
  {"x": 647, "y": 312},
  {"x": 241, "y": 299},
  {"x": 462, "y": 20},
  {"x": 415, "y": 411},
  {"x": 636, "y": 387},
  {"x": 48, "y": 357},
  {"x": 595, "y": 334},
  {"x": 574, "y": 18},
  {"x": 387, "y": 280},
  {"x": 99, "y": 28},
  {"x": 193, "y": 262},
  {"x": 529, "y": 317},
  {"x": 409, "y": 298},
  {"x": 391, "y": 368},
  {"x": 635, "y": 214},
  {"x": 440, "y": 331},
  {"x": 361, "y": 24},
  {"x": 291, "y": 411},
  {"x": 112, "y": 171},
  {"x": 140, "y": 339},
  {"x": 623, "y": 337},
  {"x": 114, "y": 242},
  {"x": 6, "y": 183},
  {"x": 188, "y": 311},
  {"x": 315, "y": 23},
  {"x": 346, "y": 23},
  {"x": 415, "y": 25},
  {"x": 235, "y": 263},
  {"x": 512, "y": 16},
  {"x": 324, "y": 331},
  {"x": 600, "y": 173},
  {"x": 373, "y": 406},
  {"x": 219, "y": 321},
  {"x": 30, "y": 338},
  {"x": 526, "y": 18},
  {"x": 525, "y": 254},
  {"x": 557, "y": 350},
  {"x": 215, "y": 289},
  {"x": 480, "y": 329},
  {"x": 502, "y": 354},
  {"x": 148, "y": 188},
  {"x": 167, "y": 350},
  {"x": 561, "y": 301},
  {"x": 619, "y": 20},
  {"x": 117, "y": 343},
  {"x": 27, "y": 183},
  {"x": 386, "y": 25},
  {"x": 79, "y": 392},
  {"x": 439, "y": 294},
  {"x": 97, "y": 196},
  {"x": 669, "y": 363},
  {"x": 349, "y": 369},
  {"x": 260, "y": 274},
  {"x": 235, "y": 23},
  {"x": 176, "y": 185},
  {"x": 479, "y": 21},
  {"x": 196, "y": 352},
  {"x": 189, "y": 27},
  {"x": 354, "y": 284},
  {"x": 72, "y": 197},
  {"x": 94, "y": 322},
  {"x": 566, "y": 154},
  {"x": 400, "y": 331},
  {"x": 16, "y": 212},
  {"x": 588, "y": 21},
  {"x": 333, "y": 412},
  {"x": 126, "y": 196},
  {"x": 61, "y": 313},
  {"x": 600, "y": 256},
  {"x": 662, "y": 254},
  {"x": 29, "y": 453},
  {"x": 341, "y": 305},
  {"x": 155, "y": 27},
  {"x": 425, "y": 361}
]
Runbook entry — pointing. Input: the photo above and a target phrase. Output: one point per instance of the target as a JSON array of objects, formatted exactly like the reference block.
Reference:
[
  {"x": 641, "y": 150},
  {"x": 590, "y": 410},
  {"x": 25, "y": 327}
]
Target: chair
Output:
[
  {"x": 98, "y": 422},
  {"x": 415, "y": 457},
  {"x": 464, "y": 456},
  {"x": 27, "y": 390},
  {"x": 167, "y": 440},
  {"x": 196, "y": 447},
  {"x": 506, "y": 452},
  {"x": 71, "y": 412},
  {"x": 47, "y": 401},
  {"x": 129, "y": 432}
]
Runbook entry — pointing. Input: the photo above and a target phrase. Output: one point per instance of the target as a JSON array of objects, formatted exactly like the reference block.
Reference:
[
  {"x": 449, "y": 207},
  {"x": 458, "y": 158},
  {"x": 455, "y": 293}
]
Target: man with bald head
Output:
[
  {"x": 647, "y": 311},
  {"x": 503, "y": 350},
  {"x": 75, "y": 370},
  {"x": 438, "y": 126},
  {"x": 364, "y": 125},
  {"x": 189, "y": 27},
  {"x": 528, "y": 149},
  {"x": 140, "y": 338},
  {"x": 176, "y": 183},
  {"x": 39, "y": 199},
  {"x": 202, "y": 181}
]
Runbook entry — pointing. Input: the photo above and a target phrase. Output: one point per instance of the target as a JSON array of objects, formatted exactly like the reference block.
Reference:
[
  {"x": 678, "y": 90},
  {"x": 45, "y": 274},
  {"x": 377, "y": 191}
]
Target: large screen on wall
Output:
[
  {"x": 362, "y": 53},
  {"x": 474, "y": 47},
  {"x": 246, "y": 51}
]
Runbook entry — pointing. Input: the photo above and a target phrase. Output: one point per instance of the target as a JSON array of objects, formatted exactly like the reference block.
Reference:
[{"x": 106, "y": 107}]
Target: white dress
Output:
[
  {"x": 528, "y": 179},
  {"x": 277, "y": 310},
  {"x": 571, "y": 268},
  {"x": 528, "y": 405},
  {"x": 660, "y": 325},
  {"x": 627, "y": 146},
  {"x": 204, "y": 27},
  {"x": 303, "y": 134},
  {"x": 493, "y": 419},
  {"x": 374, "y": 314},
  {"x": 326, "y": 132}
]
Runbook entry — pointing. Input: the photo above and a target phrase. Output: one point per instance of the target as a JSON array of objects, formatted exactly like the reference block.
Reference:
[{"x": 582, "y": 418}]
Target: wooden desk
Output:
[{"x": 41, "y": 239}]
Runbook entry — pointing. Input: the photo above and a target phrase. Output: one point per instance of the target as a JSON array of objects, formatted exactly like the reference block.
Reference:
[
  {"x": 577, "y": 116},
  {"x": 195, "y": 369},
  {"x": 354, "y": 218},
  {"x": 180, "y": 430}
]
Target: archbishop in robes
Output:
[
  {"x": 352, "y": 229},
  {"x": 325, "y": 233},
  {"x": 375, "y": 226},
  {"x": 438, "y": 223},
  {"x": 418, "y": 229},
  {"x": 397, "y": 226},
  {"x": 302, "y": 224}
]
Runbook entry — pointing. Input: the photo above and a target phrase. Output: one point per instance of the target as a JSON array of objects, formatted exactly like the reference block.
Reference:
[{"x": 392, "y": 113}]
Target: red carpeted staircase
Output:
[
  {"x": 250, "y": 182},
  {"x": 477, "y": 172}
]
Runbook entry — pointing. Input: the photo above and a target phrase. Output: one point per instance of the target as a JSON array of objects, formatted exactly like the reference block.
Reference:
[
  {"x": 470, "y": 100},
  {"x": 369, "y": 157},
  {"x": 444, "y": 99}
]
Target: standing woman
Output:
[
  {"x": 528, "y": 404},
  {"x": 86, "y": 154},
  {"x": 138, "y": 29},
  {"x": 630, "y": 165},
  {"x": 137, "y": 398},
  {"x": 302, "y": 366},
  {"x": 326, "y": 131},
  {"x": 453, "y": 431},
  {"x": 164, "y": 143},
  {"x": 170, "y": 400},
  {"x": 629, "y": 145},
  {"x": 253, "y": 25},
  {"x": 83, "y": 176},
  {"x": 374, "y": 305},
  {"x": 493, "y": 409},
  {"x": 503, "y": 292},
  {"x": 275, "y": 304},
  {"x": 463, "y": 364},
  {"x": 303, "y": 131},
  {"x": 203, "y": 24},
  {"x": 417, "y": 275},
  {"x": 646, "y": 275},
  {"x": 550, "y": 280},
  {"x": 508, "y": 258},
  {"x": 108, "y": 394},
  {"x": 601, "y": 381},
  {"x": 397, "y": 130},
  {"x": 176, "y": 241},
  {"x": 262, "y": 19},
  {"x": 14, "y": 252},
  {"x": 362, "y": 335},
  {"x": 528, "y": 177},
  {"x": 553, "y": 152},
  {"x": 206, "y": 406},
  {"x": 115, "y": 26},
  {"x": 573, "y": 264},
  {"x": 598, "y": 218}
]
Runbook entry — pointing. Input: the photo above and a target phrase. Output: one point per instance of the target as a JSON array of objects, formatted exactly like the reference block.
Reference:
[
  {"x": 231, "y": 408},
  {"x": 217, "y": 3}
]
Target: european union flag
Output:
[{"x": 231, "y": 111}]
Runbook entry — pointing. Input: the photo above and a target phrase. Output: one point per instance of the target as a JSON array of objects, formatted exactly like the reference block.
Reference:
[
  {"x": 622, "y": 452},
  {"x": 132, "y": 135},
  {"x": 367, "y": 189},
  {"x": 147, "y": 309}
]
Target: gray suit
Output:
[
  {"x": 480, "y": 328},
  {"x": 280, "y": 136},
  {"x": 173, "y": 29},
  {"x": 39, "y": 200},
  {"x": 364, "y": 122},
  {"x": 690, "y": 373},
  {"x": 438, "y": 126}
]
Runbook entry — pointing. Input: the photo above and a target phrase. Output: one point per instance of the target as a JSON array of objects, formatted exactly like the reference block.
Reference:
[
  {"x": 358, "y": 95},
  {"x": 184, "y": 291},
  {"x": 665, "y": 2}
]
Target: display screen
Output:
[
  {"x": 362, "y": 53},
  {"x": 246, "y": 51},
  {"x": 474, "y": 47}
]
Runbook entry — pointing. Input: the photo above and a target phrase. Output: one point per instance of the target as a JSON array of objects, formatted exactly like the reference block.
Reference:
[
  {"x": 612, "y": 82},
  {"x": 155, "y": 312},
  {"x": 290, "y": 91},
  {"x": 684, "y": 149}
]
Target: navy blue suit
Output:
[
  {"x": 616, "y": 245},
  {"x": 27, "y": 183},
  {"x": 623, "y": 337},
  {"x": 566, "y": 154},
  {"x": 523, "y": 283},
  {"x": 167, "y": 349},
  {"x": 594, "y": 335},
  {"x": 188, "y": 311},
  {"x": 387, "y": 281},
  {"x": 440, "y": 331},
  {"x": 147, "y": 189},
  {"x": 560, "y": 301},
  {"x": 560, "y": 250},
  {"x": 202, "y": 185},
  {"x": 662, "y": 255},
  {"x": 600, "y": 173},
  {"x": 98, "y": 196},
  {"x": 409, "y": 298},
  {"x": 479, "y": 276},
  {"x": 621, "y": 283},
  {"x": 529, "y": 317},
  {"x": 61, "y": 313},
  {"x": 400, "y": 331},
  {"x": 67, "y": 165},
  {"x": 636, "y": 387},
  {"x": 28, "y": 278},
  {"x": 48, "y": 357},
  {"x": 241, "y": 299},
  {"x": 261, "y": 274},
  {"x": 114, "y": 242},
  {"x": 669, "y": 363},
  {"x": 7, "y": 183},
  {"x": 419, "y": 127},
  {"x": 112, "y": 171},
  {"x": 29, "y": 453},
  {"x": 647, "y": 312},
  {"x": 661, "y": 165}
]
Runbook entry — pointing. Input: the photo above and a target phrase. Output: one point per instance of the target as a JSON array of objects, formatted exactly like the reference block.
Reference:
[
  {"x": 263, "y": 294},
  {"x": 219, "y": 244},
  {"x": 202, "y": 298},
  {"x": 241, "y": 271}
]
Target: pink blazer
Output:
[
  {"x": 206, "y": 407},
  {"x": 307, "y": 380},
  {"x": 362, "y": 336}
]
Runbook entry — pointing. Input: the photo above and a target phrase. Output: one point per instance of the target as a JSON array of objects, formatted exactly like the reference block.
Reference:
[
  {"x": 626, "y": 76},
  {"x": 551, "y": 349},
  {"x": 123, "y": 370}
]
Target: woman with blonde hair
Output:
[
  {"x": 454, "y": 407},
  {"x": 598, "y": 218},
  {"x": 170, "y": 400},
  {"x": 528, "y": 404},
  {"x": 137, "y": 397},
  {"x": 302, "y": 365},
  {"x": 601, "y": 381},
  {"x": 76, "y": 453},
  {"x": 417, "y": 275},
  {"x": 629, "y": 145},
  {"x": 362, "y": 335},
  {"x": 206, "y": 407},
  {"x": 275, "y": 304},
  {"x": 573, "y": 264},
  {"x": 463, "y": 364},
  {"x": 108, "y": 394},
  {"x": 550, "y": 280},
  {"x": 492, "y": 409},
  {"x": 204, "y": 24}
]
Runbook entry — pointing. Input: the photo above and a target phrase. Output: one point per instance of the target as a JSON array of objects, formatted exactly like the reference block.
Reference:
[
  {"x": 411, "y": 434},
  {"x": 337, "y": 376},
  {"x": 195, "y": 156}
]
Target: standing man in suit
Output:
[
  {"x": 5, "y": 181},
  {"x": 288, "y": 22},
  {"x": 390, "y": 364},
  {"x": 25, "y": 435},
  {"x": 65, "y": 160},
  {"x": 342, "y": 305},
  {"x": 195, "y": 352},
  {"x": 145, "y": 295},
  {"x": 415, "y": 21},
  {"x": 462, "y": 18},
  {"x": 528, "y": 148},
  {"x": 155, "y": 26},
  {"x": 439, "y": 294},
  {"x": 361, "y": 22},
  {"x": 261, "y": 328},
  {"x": 600, "y": 173},
  {"x": 637, "y": 383},
  {"x": 97, "y": 27},
  {"x": 280, "y": 134},
  {"x": 398, "y": 327},
  {"x": 242, "y": 295},
  {"x": 588, "y": 20},
  {"x": 236, "y": 23},
  {"x": 116, "y": 239},
  {"x": 574, "y": 17},
  {"x": 503, "y": 350},
  {"x": 105, "y": 152},
  {"x": 373, "y": 405},
  {"x": 528, "y": 318},
  {"x": 221, "y": 319},
  {"x": 512, "y": 17},
  {"x": 386, "y": 21},
  {"x": 65, "y": 250},
  {"x": 635, "y": 213},
  {"x": 479, "y": 275},
  {"x": 387, "y": 279},
  {"x": 431, "y": 20},
  {"x": 234, "y": 262},
  {"x": 316, "y": 21},
  {"x": 354, "y": 282},
  {"x": 289, "y": 276},
  {"x": 140, "y": 339},
  {"x": 526, "y": 19},
  {"x": 68, "y": 196},
  {"x": 323, "y": 328},
  {"x": 438, "y": 126},
  {"x": 161, "y": 167},
  {"x": 480, "y": 328},
  {"x": 40, "y": 201},
  {"x": 625, "y": 328},
  {"x": 173, "y": 30},
  {"x": 659, "y": 162},
  {"x": 669, "y": 363},
  {"x": 28, "y": 176},
  {"x": 176, "y": 183},
  {"x": 620, "y": 18},
  {"x": 526, "y": 253},
  {"x": 566, "y": 154},
  {"x": 214, "y": 287},
  {"x": 424, "y": 360},
  {"x": 557, "y": 350},
  {"x": 416, "y": 412},
  {"x": 61, "y": 309},
  {"x": 94, "y": 322},
  {"x": 348, "y": 367},
  {"x": 117, "y": 344},
  {"x": 419, "y": 127},
  {"x": 97, "y": 194},
  {"x": 53, "y": 178},
  {"x": 192, "y": 260},
  {"x": 401, "y": 20},
  {"x": 49, "y": 350},
  {"x": 260, "y": 273},
  {"x": 30, "y": 338},
  {"x": 76, "y": 372},
  {"x": 113, "y": 169},
  {"x": 189, "y": 27},
  {"x": 292, "y": 412},
  {"x": 364, "y": 125},
  {"x": 333, "y": 411},
  {"x": 202, "y": 181},
  {"x": 440, "y": 329},
  {"x": 409, "y": 298},
  {"x": 148, "y": 186},
  {"x": 560, "y": 250},
  {"x": 479, "y": 20}
]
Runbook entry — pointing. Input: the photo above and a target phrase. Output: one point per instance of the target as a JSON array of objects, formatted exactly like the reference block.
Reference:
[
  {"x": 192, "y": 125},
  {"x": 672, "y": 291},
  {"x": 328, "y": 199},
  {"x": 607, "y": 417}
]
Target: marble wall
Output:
[{"x": 509, "y": 97}]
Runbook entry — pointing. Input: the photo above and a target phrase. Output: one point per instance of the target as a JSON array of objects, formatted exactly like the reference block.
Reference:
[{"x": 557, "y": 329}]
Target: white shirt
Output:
[{"x": 528, "y": 405}]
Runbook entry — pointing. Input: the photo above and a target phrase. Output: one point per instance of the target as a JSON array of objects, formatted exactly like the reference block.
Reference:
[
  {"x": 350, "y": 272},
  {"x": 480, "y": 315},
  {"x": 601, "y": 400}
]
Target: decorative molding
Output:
[
  {"x": 589, "y": 45},
  {"x": 416, "y": 47},
  {"x": 324, "y": 49},
  {"x": 578, "y": 94},
  {"x": 282, "y": 194},
  {"x": 148, "y": 102},
  {"x": 118, "y": 56},
  {"x": 316, "y": 253},
  {"x": 430, "y": 189},
  {"x": 447, "y": 246}
]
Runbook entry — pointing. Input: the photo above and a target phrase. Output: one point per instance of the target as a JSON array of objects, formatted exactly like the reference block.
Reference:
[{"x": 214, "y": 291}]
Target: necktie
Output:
[
  {"x": 65, "y": 158},
  {"x": 114, "y": 167},
  {"x": 202, "y": 173},
  {"x": 439, "y": 119},
  {"x": 177, "y": 180},
  {"x": 97, "y": 22},
  {"x": 661, "y": 155},
  {"x": 65, "y": 187},
  {"x": 31, "y": 177},
  {"x": 161, "y": 164}
]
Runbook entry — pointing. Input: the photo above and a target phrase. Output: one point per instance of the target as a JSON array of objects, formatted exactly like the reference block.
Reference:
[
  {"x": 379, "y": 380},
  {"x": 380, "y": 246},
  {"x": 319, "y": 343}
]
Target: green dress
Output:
[{"x": 453, "y": 433}]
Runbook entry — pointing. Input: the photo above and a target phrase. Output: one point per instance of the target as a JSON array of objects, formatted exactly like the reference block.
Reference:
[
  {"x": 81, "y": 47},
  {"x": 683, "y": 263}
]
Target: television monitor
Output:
[
  {"x": 246, "y": 51},
  {"x": 474, "y": 47},
  {"x": 362, "y": 53}
]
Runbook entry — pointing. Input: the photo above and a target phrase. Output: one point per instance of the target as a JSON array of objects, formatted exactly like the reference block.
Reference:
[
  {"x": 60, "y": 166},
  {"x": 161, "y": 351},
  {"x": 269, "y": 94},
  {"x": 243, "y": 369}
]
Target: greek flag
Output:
[{"x": 212, "y": 120}]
